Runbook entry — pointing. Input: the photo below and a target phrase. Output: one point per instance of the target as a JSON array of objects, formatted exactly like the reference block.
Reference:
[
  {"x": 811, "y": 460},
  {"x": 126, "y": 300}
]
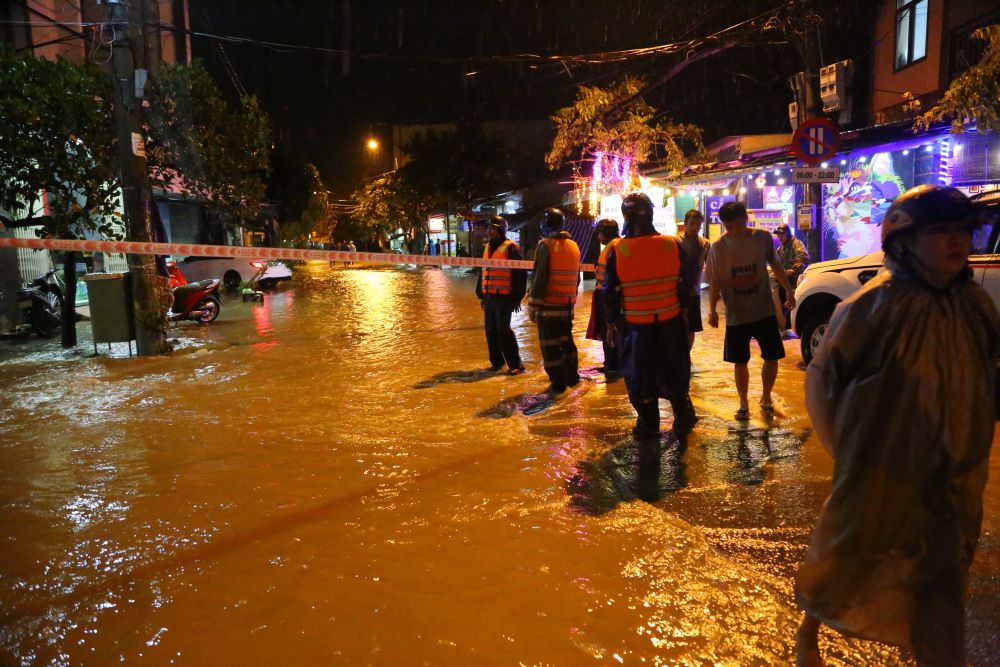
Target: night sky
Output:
[{"x": 411, "y": 61}]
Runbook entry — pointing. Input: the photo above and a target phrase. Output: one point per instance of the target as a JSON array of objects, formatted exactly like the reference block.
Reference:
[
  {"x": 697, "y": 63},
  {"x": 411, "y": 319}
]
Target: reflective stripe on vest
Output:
[
  {"x": 564, "y": 271},
  {"x": 649, "y": 268},
  {"x": 497, "y": 281},
  {"x": 602, "y": 262}
]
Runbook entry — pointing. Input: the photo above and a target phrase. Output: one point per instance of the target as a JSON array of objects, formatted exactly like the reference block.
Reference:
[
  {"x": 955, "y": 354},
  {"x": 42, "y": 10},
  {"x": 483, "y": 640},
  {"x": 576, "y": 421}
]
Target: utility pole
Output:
[
  {"x": 128, "y": 51},
  {"x": 811, "y": 58}
]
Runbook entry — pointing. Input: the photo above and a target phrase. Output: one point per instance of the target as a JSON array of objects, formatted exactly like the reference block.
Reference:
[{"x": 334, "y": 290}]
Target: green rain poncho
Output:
[{"x": 908, "y": 372}]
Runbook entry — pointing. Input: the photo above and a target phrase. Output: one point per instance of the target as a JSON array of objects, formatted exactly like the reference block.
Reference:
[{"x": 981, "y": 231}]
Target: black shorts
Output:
[
  {"x": 692, "y": 306},
  {"x": 765, "y": 332}
]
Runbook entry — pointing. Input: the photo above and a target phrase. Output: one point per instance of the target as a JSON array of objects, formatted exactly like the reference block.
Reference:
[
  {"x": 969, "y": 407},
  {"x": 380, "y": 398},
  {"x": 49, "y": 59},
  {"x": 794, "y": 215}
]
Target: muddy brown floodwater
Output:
[{"x": 329, "y": 477}]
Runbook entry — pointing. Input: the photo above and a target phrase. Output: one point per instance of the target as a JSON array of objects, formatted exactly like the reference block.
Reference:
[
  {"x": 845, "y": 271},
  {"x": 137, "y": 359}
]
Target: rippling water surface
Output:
[{"x": 330, "y": 477}]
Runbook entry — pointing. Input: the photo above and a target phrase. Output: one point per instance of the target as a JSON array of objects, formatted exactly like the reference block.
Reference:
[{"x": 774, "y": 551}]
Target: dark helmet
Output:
[
  {"x": 637, "y": 210},
  {"x": 553, "y": 221},
  {"x": 499, "y": 223},
  {"x": 782, "y": 229},
  {"x": 926, "y": 205},
  {"x": 607, "y": 227}
]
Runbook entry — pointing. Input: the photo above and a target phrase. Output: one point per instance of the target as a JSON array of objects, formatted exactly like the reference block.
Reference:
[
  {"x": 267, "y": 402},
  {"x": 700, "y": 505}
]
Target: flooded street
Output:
[{"x": 330, "y": 477}]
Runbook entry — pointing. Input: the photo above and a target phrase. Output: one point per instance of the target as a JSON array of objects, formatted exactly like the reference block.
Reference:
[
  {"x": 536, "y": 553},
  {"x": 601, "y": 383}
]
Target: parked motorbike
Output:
[
  {"x": 41, "y": 304},
  {"x": 196, "y": 301}
]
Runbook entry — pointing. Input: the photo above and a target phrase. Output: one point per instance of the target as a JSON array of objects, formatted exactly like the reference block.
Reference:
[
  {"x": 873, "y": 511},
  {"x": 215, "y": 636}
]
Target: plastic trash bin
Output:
[{"x": 111, "y": 316}]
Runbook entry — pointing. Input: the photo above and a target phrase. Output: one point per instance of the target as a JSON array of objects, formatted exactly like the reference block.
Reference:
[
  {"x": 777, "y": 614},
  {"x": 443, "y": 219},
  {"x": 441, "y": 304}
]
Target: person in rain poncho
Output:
[
  {"x": 901, "y": 393},
  {"x": 644, "y": 283}
]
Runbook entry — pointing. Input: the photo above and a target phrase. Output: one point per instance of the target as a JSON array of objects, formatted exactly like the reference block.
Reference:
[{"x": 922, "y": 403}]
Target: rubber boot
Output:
[
  {"x": 684, "y": 415},
  {"x": 647, "y": 424}
]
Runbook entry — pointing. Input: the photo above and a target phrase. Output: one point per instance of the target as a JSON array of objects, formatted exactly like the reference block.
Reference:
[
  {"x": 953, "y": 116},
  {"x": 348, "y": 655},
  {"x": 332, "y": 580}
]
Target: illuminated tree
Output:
[{"x": 617, "y": 121}]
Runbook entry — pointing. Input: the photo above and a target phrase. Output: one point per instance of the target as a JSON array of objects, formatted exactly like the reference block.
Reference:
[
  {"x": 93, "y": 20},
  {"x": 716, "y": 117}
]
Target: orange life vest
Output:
[
  {"x": 564, "y": 271},
  {"x": 602, "y": 262},
  {"x": 648, "y": 269},
  {"x": 495, "y": 280}
]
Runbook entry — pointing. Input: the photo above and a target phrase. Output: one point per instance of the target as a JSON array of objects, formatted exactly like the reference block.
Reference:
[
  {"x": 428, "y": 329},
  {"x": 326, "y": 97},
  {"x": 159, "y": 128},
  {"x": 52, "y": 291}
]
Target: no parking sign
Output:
[{"x": 815, "y": 140}]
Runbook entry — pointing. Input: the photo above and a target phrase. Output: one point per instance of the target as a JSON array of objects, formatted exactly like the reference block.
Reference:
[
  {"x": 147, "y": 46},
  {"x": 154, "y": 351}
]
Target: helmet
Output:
[
  {"x": 782, "y": 229},
  {"x": 607, "y": 227},
  {"x": 926, "y": 205},
  {"x": 498, "y": 223},
  {"x": 637, "y": 209},
  {"x": 553, "y": 221}
]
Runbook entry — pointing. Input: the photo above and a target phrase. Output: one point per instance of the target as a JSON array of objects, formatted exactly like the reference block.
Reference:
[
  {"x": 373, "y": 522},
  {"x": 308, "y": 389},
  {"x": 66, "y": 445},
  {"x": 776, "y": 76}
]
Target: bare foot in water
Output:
[{"x": 807, "y": 643}]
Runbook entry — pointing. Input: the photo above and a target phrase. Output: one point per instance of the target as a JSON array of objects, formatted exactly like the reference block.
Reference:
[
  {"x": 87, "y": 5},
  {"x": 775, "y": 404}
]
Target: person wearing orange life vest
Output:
[
  {"x": 607, "y": 235},
  {"x": 555, "y": 279},
  {"x": 644, "y": 284},
  {"x": 500, "y": 291}
]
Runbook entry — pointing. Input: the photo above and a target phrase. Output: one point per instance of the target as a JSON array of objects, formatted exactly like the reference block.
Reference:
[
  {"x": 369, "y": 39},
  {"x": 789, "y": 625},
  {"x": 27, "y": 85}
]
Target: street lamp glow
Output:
[{"x": 372, "y": 144}]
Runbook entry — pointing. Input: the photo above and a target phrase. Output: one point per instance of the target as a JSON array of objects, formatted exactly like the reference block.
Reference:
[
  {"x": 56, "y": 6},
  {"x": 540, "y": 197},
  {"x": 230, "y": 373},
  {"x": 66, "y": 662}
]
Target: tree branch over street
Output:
[{"x": 974, "y": 96}]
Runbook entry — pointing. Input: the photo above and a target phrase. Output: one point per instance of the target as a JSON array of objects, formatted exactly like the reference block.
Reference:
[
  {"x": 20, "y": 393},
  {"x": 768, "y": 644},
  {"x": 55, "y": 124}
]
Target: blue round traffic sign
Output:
[{"x": 815, "y": 140}]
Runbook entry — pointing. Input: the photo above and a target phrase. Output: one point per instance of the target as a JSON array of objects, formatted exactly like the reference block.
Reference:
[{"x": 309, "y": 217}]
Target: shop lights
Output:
[
  {"x": 708, "y": 193},
  {"x": 824, "y": 165},
  {"x": 929, "y": 148},
  {"x": 944, "y": 164},
  {"x": 843, "y": 162},
  {"x": 743, "y": 190},
  {"x": 863, "y": 158},
  {"x": 906, "y": 151},
  {"x": 781, "y": 181},
  {"x": 725, "y": 192},
  {"x": 777, "y": 172}
]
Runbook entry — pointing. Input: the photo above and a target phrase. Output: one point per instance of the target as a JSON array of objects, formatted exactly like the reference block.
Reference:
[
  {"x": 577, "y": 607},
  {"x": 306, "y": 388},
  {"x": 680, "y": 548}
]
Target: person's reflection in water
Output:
[{"x": 644, "y": 470}]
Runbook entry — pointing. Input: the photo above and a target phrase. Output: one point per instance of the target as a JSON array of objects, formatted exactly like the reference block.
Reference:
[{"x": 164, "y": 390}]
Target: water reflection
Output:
[
  {"x": 635, "y": 469},
  {"x": 340, "y": 485}
]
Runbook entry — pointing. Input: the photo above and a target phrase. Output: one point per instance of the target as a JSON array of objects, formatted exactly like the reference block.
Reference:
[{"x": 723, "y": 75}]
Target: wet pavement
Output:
[{"x": 331, "y": 477}]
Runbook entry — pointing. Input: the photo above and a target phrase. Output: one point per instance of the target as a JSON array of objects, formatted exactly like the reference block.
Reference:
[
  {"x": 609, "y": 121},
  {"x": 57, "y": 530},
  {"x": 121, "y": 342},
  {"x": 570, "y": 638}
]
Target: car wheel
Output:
[
  {"x": 812, "y": 334},
  {"x": 231, "y": 280}
]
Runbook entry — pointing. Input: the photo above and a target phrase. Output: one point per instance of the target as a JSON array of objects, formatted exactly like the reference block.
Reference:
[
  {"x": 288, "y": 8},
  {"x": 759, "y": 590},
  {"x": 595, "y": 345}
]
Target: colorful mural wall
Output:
[{"x": 854, "y": 207}]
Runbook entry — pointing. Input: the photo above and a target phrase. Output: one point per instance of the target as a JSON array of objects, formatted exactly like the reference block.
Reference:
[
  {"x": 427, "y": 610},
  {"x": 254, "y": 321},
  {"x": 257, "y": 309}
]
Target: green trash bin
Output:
[{"x": 111, "y": 315}]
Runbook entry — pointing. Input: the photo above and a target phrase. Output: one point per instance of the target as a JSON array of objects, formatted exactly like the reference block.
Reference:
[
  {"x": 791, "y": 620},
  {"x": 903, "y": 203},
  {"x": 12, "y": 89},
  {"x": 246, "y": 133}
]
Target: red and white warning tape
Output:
[{"x": 186, "y": 249}]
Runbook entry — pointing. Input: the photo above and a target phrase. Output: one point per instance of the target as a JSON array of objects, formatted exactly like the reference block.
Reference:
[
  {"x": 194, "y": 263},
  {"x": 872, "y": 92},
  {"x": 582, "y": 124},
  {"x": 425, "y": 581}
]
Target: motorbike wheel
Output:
[
  {"x": 45, "y": 320},
  {"x": 211, "y": 305}
]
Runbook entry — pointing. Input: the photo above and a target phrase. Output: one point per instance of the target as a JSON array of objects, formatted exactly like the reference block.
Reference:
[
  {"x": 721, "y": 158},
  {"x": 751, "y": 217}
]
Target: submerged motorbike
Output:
[
  {"x": 41, "y": 304},
  {"x": 196, "y": 301}
]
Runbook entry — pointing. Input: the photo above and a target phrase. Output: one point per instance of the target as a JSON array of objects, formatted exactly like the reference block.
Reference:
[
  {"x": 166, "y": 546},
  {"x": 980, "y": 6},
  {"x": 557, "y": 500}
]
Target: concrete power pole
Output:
[
  {"x": 811, "y": 55},
  {"x": 129, "y": 51}
]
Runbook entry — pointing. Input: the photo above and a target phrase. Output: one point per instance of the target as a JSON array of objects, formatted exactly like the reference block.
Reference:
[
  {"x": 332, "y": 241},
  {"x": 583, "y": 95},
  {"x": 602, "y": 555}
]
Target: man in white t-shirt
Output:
[{"x": 737, "y": 271}]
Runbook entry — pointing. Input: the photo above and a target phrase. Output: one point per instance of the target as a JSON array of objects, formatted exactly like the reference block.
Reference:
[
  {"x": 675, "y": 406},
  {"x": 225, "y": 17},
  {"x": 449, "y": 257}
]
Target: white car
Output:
[
  {"x": 825, "y": 284},
  {"x": 234, "y": 270}
]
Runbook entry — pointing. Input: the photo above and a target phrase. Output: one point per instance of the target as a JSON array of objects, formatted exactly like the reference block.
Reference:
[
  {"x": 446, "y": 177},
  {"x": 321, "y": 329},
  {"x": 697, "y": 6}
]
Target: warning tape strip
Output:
[{"x": 185, "y": 249}]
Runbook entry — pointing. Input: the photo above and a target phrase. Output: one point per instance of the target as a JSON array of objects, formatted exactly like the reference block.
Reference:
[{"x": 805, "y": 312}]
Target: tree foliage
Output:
[
  {"x": 197, "y": 143},
  {"x": 390, "y": 202},
  {"x": 616, "y": 120},
  {"x": 57, "y": 137},
  {"x": 454, "y": 168},
  {"x": 974, "y": 96},
  {"x": 314, "y": 217}
]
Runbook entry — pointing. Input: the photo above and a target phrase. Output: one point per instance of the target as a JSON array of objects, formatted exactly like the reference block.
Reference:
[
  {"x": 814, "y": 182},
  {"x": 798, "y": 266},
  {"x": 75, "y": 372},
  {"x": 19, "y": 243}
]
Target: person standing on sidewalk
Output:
[
  {"x": 794, "y": 258},
  {"x": 695, "y": 246},
  {"x": 644, "y": 285},
  {"x": 555, "y": 280},
  {"x": 737, "y": 271},
  {"x": 900, "y": 395},
  {"x": 607, "y": 235},
  {"x": 500, "y": 291}
]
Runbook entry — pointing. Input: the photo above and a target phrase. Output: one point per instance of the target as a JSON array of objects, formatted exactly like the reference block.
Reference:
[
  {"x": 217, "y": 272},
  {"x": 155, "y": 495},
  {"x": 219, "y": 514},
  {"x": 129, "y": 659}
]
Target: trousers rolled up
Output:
[
  {"x": 500, "y": 338},
  {"x": 559, "y": 356}
]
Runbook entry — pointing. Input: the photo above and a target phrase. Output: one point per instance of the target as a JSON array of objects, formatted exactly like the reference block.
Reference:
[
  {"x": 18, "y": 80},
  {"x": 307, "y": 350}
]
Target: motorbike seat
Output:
[{"x": 183, "y": 291}]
